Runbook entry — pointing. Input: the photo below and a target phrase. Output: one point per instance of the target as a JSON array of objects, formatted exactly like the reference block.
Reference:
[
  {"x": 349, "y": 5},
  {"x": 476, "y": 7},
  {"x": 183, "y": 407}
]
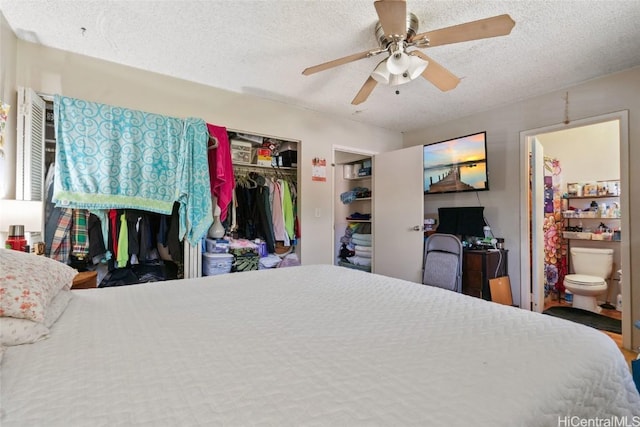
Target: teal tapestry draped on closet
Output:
[
  {"x": 111, "y": 157},
  {"x": 555, "y": 247}
]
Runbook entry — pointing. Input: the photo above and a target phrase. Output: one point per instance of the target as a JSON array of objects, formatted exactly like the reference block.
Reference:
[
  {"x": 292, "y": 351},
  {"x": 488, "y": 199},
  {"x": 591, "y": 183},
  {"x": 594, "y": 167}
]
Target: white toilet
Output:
[{"x": 592, "y": 267}]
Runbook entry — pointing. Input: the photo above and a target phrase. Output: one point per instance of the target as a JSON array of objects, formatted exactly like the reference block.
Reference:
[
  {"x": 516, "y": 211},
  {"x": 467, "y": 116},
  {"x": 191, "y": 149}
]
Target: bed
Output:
[{"x": 312, "y": 345}]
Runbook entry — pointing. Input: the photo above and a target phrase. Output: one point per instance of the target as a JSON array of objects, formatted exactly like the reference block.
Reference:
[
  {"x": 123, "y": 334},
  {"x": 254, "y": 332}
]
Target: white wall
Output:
[
  {"x": 8, "y": 46},
  {"x": 600, "y": 96},
  {"x": 52, "y": 71},
  {"x": 587, "y": 154}
]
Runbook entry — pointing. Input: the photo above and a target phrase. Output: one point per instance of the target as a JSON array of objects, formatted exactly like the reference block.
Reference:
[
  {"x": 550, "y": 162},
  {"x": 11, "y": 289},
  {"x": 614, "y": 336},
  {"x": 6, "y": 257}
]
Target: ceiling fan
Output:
[{"x": 396, "y": 32}]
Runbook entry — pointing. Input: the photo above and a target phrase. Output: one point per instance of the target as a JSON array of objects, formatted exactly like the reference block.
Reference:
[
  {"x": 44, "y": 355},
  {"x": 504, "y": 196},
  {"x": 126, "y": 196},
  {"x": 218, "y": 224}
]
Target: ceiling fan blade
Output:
[
  {"x": 339, "y": 61},
  {"x": 393, "y": 16},
  {"x": 500, "y": 25},
  {"x": 365, "y": 91},
  {"x": 441, "y": 78}
]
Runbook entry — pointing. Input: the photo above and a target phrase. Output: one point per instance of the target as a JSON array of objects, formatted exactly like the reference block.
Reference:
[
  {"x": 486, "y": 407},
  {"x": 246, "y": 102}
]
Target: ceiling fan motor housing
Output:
[{"x": 412, "y": 30}]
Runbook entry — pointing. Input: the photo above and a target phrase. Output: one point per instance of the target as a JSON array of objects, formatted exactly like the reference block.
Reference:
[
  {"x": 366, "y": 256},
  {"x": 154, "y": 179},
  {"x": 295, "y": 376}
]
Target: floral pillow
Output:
[
  {"x": 29, "y": 282},
  {"x": 22, "y": 331}
]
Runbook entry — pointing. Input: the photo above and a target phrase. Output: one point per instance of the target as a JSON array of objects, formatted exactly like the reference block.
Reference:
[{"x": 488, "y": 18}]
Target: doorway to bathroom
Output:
[{"x": 585, "y": 152}]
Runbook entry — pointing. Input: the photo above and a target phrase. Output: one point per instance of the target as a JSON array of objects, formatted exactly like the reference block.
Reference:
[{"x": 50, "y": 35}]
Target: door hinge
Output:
[{"x": 24, "y": 109}]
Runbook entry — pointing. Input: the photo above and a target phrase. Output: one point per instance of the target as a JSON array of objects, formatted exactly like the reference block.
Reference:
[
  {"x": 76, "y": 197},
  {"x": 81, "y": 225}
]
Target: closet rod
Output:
[{"x": 264, "y": 170}]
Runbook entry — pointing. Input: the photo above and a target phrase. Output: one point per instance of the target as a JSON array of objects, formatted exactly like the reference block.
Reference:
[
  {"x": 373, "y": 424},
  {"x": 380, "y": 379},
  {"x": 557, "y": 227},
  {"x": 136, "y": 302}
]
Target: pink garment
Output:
[
  {"x": 220, "y": 168},
  {"x": 277, "y": 215}
]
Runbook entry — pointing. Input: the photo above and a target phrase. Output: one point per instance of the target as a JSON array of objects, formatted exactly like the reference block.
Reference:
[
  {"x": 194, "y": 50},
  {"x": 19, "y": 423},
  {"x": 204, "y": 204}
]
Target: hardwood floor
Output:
[{"x": 617, "y": 338}]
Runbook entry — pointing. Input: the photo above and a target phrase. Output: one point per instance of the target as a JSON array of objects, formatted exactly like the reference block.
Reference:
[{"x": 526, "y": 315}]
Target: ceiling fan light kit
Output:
[
  {"x": 381, "y": 73},
  {"x": 396, "y": 31},
  {"x": 398, "y": 62},
  {"x": 394, "y": 72}
]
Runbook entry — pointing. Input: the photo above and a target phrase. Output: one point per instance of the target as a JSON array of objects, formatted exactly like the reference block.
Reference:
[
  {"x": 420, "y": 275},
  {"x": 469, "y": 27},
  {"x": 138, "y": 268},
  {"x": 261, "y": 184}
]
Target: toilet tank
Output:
[{"x": 592, "y": 261}]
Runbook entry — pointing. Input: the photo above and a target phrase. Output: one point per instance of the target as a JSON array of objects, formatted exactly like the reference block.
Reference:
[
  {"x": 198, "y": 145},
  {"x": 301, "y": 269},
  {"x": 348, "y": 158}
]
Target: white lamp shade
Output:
[
  {"x": 398, "y": 63},
  {"x": 381, "y": 74},
  {"x": 416, "y": 67},
  {"x": 28, "y": 213},
  {"x": 399, "y": 79}
]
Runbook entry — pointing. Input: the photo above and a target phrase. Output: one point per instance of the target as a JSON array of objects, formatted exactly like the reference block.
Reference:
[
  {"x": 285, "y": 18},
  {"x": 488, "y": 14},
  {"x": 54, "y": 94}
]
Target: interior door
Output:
[
  {"x": 537, "y": 221},
  {"x": 398, "y": 214},
  {"x": 30, "y": 150},
  {"x": 30, "y": 173}
]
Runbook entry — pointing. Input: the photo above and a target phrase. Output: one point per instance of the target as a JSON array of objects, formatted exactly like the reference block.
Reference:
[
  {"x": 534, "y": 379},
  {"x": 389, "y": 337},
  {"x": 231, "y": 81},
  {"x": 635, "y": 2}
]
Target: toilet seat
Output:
[{"x": 584, "y": 280}]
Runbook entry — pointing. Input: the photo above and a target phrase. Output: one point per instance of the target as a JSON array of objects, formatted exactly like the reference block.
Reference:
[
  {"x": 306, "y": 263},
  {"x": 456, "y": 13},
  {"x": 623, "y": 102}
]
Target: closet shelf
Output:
[
  {"x": 262, "y": 169},
  {"x": 358, "y": 178}
]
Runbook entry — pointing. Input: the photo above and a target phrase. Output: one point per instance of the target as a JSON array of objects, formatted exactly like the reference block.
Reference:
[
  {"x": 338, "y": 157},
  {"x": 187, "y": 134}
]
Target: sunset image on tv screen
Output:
[{"x": 456, "y": 165}]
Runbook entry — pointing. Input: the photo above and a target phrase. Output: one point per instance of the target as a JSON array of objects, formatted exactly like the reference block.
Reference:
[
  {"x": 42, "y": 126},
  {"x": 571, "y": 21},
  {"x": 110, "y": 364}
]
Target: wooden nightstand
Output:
[
  {"x": 85, "y": 280},
  {"x": 478, "y": 266}
]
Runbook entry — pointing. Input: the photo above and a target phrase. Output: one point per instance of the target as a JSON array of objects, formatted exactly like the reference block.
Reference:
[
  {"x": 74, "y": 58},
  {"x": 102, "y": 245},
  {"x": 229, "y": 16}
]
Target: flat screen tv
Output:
[
  {"x": 463, "y": 221},
  {"x": 456, "y": 165}
]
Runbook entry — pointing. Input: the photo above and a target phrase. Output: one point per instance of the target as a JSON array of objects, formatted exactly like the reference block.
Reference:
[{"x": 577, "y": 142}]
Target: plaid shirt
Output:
[
  {"x": 80, "y": 234},
  {"x": 61, "y": 244}
]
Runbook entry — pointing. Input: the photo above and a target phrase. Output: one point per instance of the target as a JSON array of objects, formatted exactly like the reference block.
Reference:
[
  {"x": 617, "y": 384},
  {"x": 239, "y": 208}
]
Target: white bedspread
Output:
[{"x": 313, "y": 346}]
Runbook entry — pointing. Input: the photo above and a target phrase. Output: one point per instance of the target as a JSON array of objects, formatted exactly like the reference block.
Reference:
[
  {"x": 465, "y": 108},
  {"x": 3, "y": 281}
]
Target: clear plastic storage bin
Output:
[{"x": 213, "y": 264}]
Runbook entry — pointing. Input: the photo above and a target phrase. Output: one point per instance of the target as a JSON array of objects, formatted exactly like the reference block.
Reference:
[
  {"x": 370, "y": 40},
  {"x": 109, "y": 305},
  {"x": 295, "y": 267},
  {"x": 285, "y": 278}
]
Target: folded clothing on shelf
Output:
[
  {"x": 356, "y": 193},
  {"x": 355, "y": 266},
  {"x": 362, "y": 236},
  {"x": 363, "y": 254},
  {"x": 361, "y": 240},
  {"x": 359, "y": 260},
  {"x": 359, "y": 216}
]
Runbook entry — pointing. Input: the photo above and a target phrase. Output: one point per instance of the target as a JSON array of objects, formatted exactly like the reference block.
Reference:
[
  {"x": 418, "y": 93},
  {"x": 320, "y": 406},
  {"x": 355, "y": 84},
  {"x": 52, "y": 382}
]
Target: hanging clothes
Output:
[
  {"x": 147, "y": 250},
  {"x": 265, "y": 216},
  {"x": 246, "y": 212},
  {"x": 80, "y": 235},
  {"x": 172, "y": 237},
  {"x": 196, "y": 215},
  {"x": 97, "y": 249},
  {"x": 123, "y": 243},
  {"x": 221, "y": 176},
  {"x": 123, "y": 158},
  {"x": 287, "y": 210},
  {"x": 279, "y": 228},
  {"x": 134, "y": 217},
  {"x": 261, "y": 198},
  {"x": 61, "y": 244}
]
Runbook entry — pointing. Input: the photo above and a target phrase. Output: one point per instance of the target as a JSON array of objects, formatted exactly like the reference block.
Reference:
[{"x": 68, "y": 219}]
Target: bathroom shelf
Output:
[
  {"x": 590, "y": 217},
  {"x": 608, "y": 196},
  {"x": 592, "y": 240}
]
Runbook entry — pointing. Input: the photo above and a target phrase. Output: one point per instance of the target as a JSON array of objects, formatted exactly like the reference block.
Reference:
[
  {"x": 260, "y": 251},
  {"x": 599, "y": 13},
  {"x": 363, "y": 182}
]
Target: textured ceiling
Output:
[{"x": 261, "y": 47}]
